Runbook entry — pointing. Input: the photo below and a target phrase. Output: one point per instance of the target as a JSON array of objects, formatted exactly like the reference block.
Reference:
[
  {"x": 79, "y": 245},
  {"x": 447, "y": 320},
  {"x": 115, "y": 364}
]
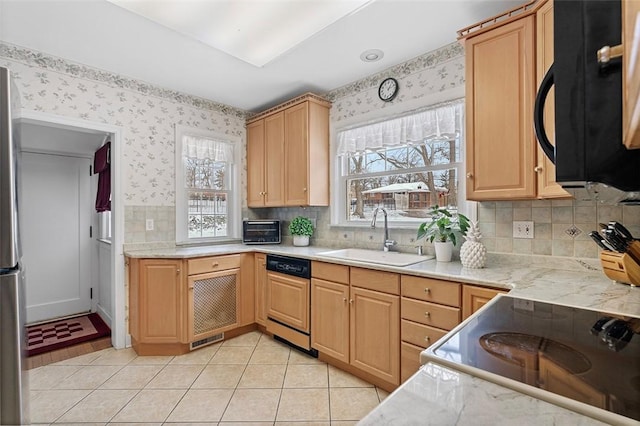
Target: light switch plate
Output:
[{"x": 523, "y": 229}]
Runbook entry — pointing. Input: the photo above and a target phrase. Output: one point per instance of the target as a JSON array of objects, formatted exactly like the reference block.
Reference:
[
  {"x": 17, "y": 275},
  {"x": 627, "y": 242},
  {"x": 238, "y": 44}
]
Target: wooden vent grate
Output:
[{"x": 214, "y": 303}]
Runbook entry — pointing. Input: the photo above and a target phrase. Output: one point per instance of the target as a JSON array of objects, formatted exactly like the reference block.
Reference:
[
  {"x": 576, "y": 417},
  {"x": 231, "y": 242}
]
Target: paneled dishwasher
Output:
[{"x": 289, "y": 301}]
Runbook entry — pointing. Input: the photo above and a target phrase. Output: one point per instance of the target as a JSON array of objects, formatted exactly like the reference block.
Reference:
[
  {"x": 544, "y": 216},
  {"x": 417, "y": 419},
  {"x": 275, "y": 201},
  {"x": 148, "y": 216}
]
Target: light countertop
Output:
[{"x": 437, "y": 395}]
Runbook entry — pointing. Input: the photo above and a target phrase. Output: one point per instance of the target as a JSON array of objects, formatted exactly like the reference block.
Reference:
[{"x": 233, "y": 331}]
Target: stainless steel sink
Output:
[{"x": 374, "y": 256}]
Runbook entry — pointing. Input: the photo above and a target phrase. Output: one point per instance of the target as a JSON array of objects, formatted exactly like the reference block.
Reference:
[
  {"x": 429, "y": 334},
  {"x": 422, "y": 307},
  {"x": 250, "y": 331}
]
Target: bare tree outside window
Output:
[
  {"x": 207, "y": 194},
  {"x": 406, "y": 180}
]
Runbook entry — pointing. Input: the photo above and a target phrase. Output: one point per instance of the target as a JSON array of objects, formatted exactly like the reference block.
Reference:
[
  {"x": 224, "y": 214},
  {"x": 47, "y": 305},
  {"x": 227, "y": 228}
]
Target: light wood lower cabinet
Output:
[
  {"x": 409, "y": 360},
  {"x": 474, "y": 298},
  {"x": 176, "y": 302},
  {"x": 357, "y": 326},
  {"x": 157, "y": 311},
  {"x": 429, "y": 308},
  {"x": 375, "y": 333},
  {"x": 261, "y": 288},
  {"x": 213, "y": 303},
  {"x": 330, "y": 318}
]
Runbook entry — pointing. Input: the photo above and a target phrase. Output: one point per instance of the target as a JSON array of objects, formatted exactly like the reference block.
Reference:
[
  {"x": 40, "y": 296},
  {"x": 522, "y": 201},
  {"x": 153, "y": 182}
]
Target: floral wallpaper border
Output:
[
  {"x": 430, "y": 59},
  {"x": 35, "y": 58}
]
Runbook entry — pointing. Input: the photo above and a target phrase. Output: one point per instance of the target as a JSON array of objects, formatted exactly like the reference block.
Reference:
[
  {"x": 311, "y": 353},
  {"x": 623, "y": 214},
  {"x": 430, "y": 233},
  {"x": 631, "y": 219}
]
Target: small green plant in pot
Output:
[
  {"x": 301, "y": 228},
  {"x": 442, "y": 229}
]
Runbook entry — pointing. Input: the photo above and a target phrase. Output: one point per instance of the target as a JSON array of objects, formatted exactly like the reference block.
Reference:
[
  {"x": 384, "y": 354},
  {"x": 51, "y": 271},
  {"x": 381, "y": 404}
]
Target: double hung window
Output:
[
  {"x": 406, "y": 165},
  {"x": 207, "y": 195}
]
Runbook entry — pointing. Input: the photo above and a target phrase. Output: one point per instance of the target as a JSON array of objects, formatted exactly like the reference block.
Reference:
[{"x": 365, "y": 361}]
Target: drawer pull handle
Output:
[
  {"x": 427, "y": 314},
  {"x": 427, "y": 339},
  {"x": 427, "y": 289},
  {"x": 215, "y": 264}
]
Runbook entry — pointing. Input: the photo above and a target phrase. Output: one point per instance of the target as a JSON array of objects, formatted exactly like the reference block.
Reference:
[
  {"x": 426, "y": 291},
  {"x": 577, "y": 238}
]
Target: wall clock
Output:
[{"x": 388, "y": 89}]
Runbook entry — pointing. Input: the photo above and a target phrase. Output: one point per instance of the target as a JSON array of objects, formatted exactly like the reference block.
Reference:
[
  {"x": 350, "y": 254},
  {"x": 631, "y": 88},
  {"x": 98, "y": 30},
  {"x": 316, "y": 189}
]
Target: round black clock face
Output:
[{"x": 388, "y": 89}]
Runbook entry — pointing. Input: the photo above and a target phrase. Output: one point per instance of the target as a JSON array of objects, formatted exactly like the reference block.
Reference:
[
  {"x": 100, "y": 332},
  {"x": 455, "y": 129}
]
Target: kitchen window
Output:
[
  {"x": 406, "y": 165},
  {"x": 207, "y": 186}
]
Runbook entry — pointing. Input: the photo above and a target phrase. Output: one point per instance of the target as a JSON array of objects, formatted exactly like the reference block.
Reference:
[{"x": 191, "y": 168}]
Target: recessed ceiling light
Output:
[{"x": 372, "y": 55}]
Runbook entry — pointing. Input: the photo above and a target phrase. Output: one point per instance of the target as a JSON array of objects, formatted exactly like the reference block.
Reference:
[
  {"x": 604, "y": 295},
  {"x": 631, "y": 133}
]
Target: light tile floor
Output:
[{"x": 251, "y": 379}]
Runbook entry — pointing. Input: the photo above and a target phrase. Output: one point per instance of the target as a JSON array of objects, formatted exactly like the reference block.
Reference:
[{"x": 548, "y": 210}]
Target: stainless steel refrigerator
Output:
[{"x": 13, "y": 390}]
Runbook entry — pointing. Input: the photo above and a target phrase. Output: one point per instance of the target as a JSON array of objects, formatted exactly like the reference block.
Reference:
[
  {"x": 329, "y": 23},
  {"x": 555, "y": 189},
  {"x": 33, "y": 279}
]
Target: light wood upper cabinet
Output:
[
  {"x": 265, "y": 159},
  {"x": 545, "y": 169},
  {"x": 504, "y": 64},
  {"x": 631, "y": 73},
  {"x": 295, "y": 136},
  {"x": 501, "y": 150},
  {"x": 255, "y": 164}
]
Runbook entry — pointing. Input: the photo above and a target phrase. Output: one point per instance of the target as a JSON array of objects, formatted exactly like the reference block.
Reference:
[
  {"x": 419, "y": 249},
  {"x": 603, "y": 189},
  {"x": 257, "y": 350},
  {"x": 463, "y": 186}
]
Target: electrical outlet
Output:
[
  {"x": 522, "y": 229},
  {"x": 149, "y": 224}
]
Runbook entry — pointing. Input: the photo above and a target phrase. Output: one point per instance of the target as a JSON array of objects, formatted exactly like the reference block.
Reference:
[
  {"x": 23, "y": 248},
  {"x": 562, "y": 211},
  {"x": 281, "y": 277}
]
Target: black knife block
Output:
[{"x": 621, "y": 267}]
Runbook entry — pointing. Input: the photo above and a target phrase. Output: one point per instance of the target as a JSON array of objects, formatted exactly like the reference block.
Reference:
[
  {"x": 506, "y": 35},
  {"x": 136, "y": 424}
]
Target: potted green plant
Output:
[
  {"x": 301, "y": 228},
  {"x": 441, "y": 231}
]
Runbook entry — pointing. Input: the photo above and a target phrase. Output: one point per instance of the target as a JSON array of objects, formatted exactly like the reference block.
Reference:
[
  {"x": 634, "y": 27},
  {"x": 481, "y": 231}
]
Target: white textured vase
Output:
[
  {"x": 300, "y": 240},
  {"x": 473, "y": 254},
  {"x": 444, "y": 251}
]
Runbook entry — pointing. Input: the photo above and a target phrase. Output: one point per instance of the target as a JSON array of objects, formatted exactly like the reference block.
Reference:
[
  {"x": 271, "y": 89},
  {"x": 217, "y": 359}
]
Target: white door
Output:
[{"x": 55, "y": 213}]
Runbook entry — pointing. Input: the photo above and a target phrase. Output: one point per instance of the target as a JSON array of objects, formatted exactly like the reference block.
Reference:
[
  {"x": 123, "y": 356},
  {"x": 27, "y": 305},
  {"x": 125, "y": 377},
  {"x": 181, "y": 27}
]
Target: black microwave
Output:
[
  {"x": 588, "y": 151},
  {"x": 261, "y": 232}
]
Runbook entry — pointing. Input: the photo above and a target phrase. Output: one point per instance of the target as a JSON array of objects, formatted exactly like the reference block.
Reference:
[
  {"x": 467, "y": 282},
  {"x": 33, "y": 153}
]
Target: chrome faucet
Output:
[{"x": 387, "y": 242}]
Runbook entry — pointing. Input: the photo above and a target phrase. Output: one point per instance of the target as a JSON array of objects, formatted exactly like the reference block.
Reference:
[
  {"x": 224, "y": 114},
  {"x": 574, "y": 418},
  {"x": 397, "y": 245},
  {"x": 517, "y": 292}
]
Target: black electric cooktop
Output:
[{"x": 547, "y": 350}]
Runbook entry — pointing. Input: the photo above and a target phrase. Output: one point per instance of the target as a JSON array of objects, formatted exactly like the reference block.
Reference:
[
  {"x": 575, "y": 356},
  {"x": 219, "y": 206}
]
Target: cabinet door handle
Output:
[
  {"x": 537, "y": 169},
  {"x": 427, "y": 289},
  {"x": 304, "y": 189},
  {"x": 469, "y": 175},
  {"x": 177, "y": 271},
  {"x": 351, "y": 301},
  {"x": 427, "y": 314},
  {"x": 344, "y": 299}
]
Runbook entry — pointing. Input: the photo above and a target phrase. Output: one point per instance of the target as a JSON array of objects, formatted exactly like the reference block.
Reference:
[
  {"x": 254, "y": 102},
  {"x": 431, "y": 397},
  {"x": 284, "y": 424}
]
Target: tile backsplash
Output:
[{"x": 561, "y": 227}]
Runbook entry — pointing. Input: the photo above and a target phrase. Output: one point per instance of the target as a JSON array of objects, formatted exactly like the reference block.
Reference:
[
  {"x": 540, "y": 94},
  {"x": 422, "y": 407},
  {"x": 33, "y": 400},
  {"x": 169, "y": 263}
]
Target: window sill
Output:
[
  {"x": 208, "y": 242},
  {"x": 380, "y": 223}
]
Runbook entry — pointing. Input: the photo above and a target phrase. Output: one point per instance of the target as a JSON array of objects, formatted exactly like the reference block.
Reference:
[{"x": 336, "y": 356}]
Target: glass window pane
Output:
[
  {"x": 405, "y": 197},
  {"x": 207, "y": 214},
  {"x": 396, "y": 158},
  {"x": 205, "y": 174},
  {"x": 445, "y": 151}
]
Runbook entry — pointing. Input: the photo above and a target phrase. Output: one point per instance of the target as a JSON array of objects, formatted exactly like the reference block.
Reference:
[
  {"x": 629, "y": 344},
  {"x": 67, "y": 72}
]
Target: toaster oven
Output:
[{"x": 261, "y": 232}]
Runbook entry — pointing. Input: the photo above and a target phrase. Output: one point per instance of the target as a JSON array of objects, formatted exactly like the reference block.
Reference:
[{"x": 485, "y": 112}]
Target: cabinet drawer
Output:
[
  {"x": 212, "y": 264},
  {"x": 386, "y": 282},
  {"x": 409, "y": 360},
  {"x": 418, "y": 334},
  {"x": 430, "y": 290},
  {"x": 330, "y": 272},
  {"x": 431, "y": 314}
]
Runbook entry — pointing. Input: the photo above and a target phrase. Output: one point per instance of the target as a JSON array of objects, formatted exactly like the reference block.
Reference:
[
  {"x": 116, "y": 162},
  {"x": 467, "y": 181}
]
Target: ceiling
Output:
[{"x": 103, "y": 35}]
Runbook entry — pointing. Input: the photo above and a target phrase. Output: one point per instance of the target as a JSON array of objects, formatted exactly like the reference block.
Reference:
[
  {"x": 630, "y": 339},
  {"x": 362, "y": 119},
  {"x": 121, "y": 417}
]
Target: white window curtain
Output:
[
  {"x": 438, "y": 122},
  {"x": 204, "y": 148}
]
